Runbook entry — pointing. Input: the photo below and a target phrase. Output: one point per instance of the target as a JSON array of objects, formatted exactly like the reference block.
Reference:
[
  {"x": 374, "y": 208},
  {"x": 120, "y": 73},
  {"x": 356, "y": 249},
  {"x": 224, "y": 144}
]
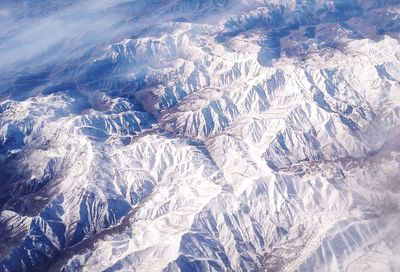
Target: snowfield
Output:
[{"x": 200, "y": 135}]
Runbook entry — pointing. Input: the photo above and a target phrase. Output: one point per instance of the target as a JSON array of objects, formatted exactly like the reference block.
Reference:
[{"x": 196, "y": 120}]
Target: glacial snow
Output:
[{"x": 223, "y": 136}]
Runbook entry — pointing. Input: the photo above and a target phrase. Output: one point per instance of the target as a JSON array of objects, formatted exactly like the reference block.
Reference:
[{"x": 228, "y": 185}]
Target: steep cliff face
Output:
[{"x": 207, "y": 136}]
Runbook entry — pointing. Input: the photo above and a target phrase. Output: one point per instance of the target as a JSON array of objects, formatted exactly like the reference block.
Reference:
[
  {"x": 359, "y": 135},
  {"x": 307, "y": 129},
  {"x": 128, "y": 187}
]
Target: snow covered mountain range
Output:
[{"x": 200, "y": 135}]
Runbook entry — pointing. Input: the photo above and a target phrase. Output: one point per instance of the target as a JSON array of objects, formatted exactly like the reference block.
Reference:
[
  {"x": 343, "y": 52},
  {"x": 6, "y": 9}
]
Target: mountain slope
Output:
[{"x": 223, "y": 136}]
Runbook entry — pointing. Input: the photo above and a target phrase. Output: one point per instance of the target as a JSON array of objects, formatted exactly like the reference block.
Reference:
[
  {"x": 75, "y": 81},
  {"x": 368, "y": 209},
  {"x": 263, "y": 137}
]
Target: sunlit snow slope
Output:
[{"x": 200, "y": 135}]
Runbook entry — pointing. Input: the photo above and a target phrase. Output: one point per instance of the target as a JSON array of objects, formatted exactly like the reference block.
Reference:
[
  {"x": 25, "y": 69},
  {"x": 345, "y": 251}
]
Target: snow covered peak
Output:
[{"x": 202, "y": 135}]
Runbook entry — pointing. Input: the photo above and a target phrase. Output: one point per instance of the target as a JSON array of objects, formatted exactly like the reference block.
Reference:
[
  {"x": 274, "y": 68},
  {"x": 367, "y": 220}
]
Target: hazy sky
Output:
[{"x": 30, "y": 41}]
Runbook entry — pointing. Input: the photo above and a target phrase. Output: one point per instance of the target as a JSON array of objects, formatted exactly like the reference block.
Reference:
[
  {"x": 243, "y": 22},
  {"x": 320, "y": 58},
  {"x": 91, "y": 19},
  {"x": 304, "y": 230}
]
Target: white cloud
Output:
[{"x": 33, "y": 41}]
